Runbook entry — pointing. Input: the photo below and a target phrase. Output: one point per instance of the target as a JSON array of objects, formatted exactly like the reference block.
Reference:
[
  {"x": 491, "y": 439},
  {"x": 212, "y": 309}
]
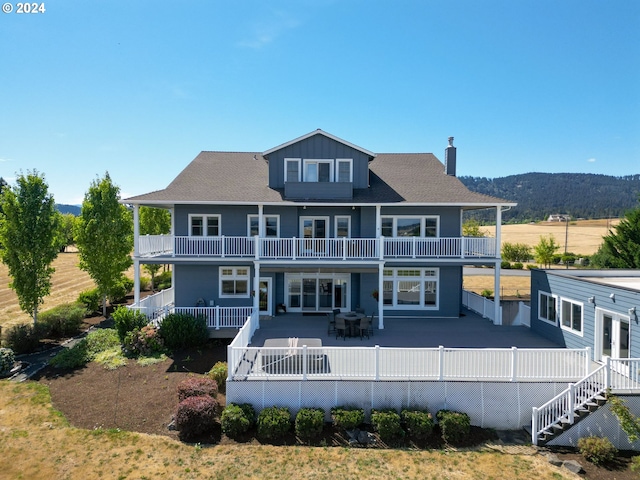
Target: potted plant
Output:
[{"x": 375, "y": 294}]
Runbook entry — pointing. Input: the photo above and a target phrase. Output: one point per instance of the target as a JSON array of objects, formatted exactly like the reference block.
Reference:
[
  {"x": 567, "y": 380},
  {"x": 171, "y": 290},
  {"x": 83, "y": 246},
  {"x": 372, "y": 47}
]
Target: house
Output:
[
  {"x": 315, "y": 224},
  {"x": 556, "y": 217},
  {"x": 588, "y": 308}
]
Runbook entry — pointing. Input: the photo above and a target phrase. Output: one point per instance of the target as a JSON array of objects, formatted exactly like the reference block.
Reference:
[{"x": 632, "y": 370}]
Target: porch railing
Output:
[
  {"x": 483, "y": 306},
  {"x": 381, "y": 363},
  {"x": 317, "y": 248},
  {"x": 236, "y": 351},
  {"x": 218, "y": 317},
  {"x": 156, "y": 305}
]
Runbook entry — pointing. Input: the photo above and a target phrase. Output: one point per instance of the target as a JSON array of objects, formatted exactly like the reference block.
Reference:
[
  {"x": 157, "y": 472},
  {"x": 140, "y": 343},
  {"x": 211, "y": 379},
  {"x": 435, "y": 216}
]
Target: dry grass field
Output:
[{"x": 584, "y": 238}]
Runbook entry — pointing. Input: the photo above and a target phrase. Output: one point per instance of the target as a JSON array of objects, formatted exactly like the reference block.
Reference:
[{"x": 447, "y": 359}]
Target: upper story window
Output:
[
  {"x": 407, "y": 226},
  {"x": 204, "y": 225},
  {"x": 271, "y": 225},
  {"x": 547, "y": 308},
  {"x": 343, "y": 227},
  {"x": 571, "y": 316},
  {"x": 318, "y": 170}
]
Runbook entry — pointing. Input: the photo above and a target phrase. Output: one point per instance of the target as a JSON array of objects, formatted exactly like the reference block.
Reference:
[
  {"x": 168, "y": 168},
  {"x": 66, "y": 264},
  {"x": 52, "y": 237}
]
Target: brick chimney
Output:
[{"x": 450, "y": 159}]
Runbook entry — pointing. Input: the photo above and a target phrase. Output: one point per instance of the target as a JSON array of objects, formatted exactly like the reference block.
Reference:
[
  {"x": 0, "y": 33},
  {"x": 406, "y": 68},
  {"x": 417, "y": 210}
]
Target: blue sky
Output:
[{"x": 139, "y": 88}]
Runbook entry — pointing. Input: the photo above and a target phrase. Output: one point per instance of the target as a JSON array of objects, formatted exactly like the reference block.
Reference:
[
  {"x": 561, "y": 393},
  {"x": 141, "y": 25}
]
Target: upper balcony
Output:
[{"x": 383, "y": 248}]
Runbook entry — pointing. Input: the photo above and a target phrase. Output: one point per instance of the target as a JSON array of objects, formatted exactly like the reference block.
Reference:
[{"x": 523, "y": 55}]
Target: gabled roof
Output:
[
  {"x": 318, "y": 132},
  {"x": 242, "y": 178}
]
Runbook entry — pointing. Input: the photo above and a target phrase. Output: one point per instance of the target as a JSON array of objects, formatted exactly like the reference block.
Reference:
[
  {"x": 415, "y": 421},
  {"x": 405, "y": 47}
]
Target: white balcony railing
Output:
[{"x": 317, "y": 248}]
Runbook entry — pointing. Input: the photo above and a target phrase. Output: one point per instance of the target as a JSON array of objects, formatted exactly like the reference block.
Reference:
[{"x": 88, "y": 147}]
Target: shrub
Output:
[
  {"x": 182, "y": 331},
  {"x": 309, "y": 423},
  {"x": 597, "y": 450},
  {"x": 74, "y": 357},
  {"x": 101, "y": 340},
  {"x": 90, "y": 299},
  {"x": 505, "y": 265},
  {"x": 87, "y": 349},
  {"x": 486, "y": 293},
  {"x": 516, "y": 252},
  {"x": 517, "y": 266},
  {"x": 531, "y": 267},
  {"x": 635, "y": 464},
  {"x": 23, "y": 338},
  {"x": 274, "y": 422},
  {"x": 454, "y": 426},
  {"x": 163, "y": 281},
  {"x": 197, "y": 387},
  {"x": 145, "y": 283},
  {"x": 7, "y": 360},
  {"x": 234, "y": 421},
  {"x": 63, "y": 320},
  {"x": 419, "y": 423},
  {"x": 219, "y": 373},
  {"x": 387, "y": 424},
  {"x": 128, "y": 319},
  {"x": 195, "y": 416},
  {"x": 143, "y": 341},
  {"x": 347, "y": 418},
  {"x": 120, "y": 290}
]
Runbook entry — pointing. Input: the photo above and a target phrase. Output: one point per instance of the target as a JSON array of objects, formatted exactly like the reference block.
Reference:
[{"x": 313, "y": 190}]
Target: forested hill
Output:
[{"x": 581, "y": 195}]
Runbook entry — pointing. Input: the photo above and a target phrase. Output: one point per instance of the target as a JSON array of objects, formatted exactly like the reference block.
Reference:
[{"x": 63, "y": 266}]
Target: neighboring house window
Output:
[
  {"x": 292, "y": 169},
  {"x": 571, "y": 316},
  {"x": 547, "y": 308},
  {"x": 343, "y": 227},
  {"x": 407, "y": 226},
  {"x": 271, "y": 225},
  {"x": 345, "y": 170},
  {"x": 234, "y": 282},
  {"x": 404, "y": 288},
  {"x": 318, "y": 170},
  {"x": 204, "y": 225}
]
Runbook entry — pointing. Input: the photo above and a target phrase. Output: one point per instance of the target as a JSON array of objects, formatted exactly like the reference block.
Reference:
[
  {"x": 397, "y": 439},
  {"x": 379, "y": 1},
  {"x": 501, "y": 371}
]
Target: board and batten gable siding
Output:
[
  {"x": 580, "y": 290},
  {"x": 318, "y": 147}
]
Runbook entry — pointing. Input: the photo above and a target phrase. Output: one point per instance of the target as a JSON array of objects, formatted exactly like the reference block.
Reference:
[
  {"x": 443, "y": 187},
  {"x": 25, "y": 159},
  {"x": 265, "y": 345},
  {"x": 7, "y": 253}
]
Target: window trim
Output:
[
  {"x": 296, "y": 160},
  {"x": 570, "y": 328},
  {"x": 314, "y": 217},
  {"x": 423, "y": 224},
  {"x": 235, "y": 277},
  {"x": 344, "y": 160},
  {"x": 555, "y": 300},
  {"x": 264, "y": 219},
  {"x": 308, "y": 161},
  {"x": 335, "y": 225},
  {"x": 422, "y": 278},
  {"x": 205, "y": 226}
]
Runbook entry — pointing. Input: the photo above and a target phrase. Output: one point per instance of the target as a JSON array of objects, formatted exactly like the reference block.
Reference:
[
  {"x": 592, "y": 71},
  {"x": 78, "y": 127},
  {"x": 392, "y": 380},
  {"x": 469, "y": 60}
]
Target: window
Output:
[
  {"x": 345, "y": 170},
  {"x": 343, "y": 227},
  {"x": 410, "y": 288},
  {"x": 571, "y": 316},
  {"x": 204, "y": 225},
  {"x": 271, "y": 225},
  {"x": 407, "y": 226},
  {"x": 234, "y": 282},
  {"x": 547, "y": 308},
  {"x": 292, "y": 169},
  {"x": 318, "y": 171}
]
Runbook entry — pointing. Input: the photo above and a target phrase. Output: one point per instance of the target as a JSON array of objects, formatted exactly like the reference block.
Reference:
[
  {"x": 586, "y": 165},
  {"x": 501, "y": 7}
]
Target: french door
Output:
[
  {"x": 316, "y": 292},
  {"x": 612, "y": 336},
  {"x": 265, "y": 296}
]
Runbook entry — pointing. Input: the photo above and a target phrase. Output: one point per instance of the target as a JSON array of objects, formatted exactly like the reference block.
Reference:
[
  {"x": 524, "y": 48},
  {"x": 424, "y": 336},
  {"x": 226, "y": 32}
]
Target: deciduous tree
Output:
[
  {"x": 154, "y": 221},
  {"x": 545, "y": 249},
  {"x": 28, "y": 227},
  {"x": 104, "y": 237}
]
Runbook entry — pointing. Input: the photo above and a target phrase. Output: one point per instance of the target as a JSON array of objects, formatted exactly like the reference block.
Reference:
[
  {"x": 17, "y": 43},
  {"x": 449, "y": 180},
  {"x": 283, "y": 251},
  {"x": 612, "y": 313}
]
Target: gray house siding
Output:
[
  {"x": 195, "y": 281},
  {"x": 318, "y": 147},
  {"x": 579, "y": 290}
]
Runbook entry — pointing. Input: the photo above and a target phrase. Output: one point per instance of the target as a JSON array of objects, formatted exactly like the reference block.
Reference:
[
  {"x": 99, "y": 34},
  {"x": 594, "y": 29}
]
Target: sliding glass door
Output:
[{"x": 319, "y": 292}]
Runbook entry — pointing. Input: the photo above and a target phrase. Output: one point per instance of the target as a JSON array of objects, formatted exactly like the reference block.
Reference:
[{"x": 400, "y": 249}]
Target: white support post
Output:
[
  {"x": 230, "y": 359},
  {"x": 587, "y": 363},
  {"x": 378, "y": 221},
  {"x": 534, "y": 426},
  {"x": 216, "y": 317},
  {"x": 260, "y": 221},
  {"x": 440, "y": 363},
  {"x": 294, "y": 247},
  {"x": 514, "y": 364},
  {"x": 136, "y": 281},
  {"x": 172, "y": 212},
  {"x": 607, "y": 371},
  {"x": 496, "y": 296},
  {"x": 572, "y": 403},
  {"x": 256, "y": 288},
  {"x": 256, "y": 247},
  {"x": 136, "y": 253},
  {"x": 305, "y": 362},
  {"x": 380, "y": 296},
  {"x": 377, "y": 363}
]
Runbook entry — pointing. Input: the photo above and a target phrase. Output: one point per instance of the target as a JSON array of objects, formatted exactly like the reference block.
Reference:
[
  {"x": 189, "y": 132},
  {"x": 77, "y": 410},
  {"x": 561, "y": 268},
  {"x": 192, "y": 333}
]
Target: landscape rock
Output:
[
  {"x": 572, "y": 466},
  {"x": 553, "y": 459}
]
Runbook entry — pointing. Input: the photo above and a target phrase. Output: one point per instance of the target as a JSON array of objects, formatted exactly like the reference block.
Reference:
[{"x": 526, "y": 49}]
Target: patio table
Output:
[{"x": 351, "y": 320}]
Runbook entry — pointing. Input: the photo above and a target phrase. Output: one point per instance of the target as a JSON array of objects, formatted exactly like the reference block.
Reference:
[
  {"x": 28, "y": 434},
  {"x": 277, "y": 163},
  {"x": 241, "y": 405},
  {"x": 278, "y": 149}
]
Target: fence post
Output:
[
  {"x": 572, "y": 402},
  {"x": 222, "y": 245},
  {"x": 216, "y": 317},
  {"x": 514, "y": 363},
  {"x": 440, "y": 362},
  {"x": 231, "y": 364},
  {"x": 305, "y": 362},
  {"x": 587, "y": 363},
  {"x": 377, "y": 362},
  {"x": 534, "y": 426},
  {"x": 607, "y": 372},
  {"x": 294, "y": 247}
]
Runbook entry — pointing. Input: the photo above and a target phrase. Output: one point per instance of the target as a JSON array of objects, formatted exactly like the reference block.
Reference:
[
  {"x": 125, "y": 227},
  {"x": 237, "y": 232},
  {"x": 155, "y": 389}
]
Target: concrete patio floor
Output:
[{"x": 468, "y": 331}]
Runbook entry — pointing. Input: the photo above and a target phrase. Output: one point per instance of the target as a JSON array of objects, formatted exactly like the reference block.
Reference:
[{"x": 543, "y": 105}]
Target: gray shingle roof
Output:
[{"x": 242, "y": 177}]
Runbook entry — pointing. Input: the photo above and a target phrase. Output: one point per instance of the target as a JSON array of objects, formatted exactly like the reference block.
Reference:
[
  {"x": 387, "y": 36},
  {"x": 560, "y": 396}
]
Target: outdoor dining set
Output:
[{"x": 350, "y": 324}]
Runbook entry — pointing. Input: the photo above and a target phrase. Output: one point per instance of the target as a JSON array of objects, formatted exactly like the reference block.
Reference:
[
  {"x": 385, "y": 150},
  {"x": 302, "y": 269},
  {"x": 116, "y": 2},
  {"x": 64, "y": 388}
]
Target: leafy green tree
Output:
[
  {"x": 545, "y": 249},
  {"x": 471, "y": 228},
  {"x": 104, "y": 237},
  {"x": 65, "y": 232},
  {"x": 621, "y": 249},
  {"x": 516, "y": 252},
  {"x": 154, "y": 221},
  {"x": 28, "y": 226}
]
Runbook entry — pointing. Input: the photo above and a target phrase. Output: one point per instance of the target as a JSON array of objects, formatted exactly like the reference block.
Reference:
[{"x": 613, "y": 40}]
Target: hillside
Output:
[
  {"x": 73, "y": 209},
  {"x": 580, "y": 195}
]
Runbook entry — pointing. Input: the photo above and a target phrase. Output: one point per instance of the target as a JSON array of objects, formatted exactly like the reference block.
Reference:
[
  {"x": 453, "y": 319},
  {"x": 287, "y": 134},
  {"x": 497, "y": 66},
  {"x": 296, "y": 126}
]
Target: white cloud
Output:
[
  {"x": 269, "y": 30},
  {"x": 6, "y": 160},
  {"x": 591, "y": 160}
]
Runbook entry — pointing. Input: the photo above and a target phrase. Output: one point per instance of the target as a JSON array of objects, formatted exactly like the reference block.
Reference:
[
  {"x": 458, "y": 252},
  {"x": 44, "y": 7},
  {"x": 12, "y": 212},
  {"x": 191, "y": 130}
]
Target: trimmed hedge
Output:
[
  {"x": 347, "y": 418},
  {"x": 63, "y": 320},
  {"x": 237, "y": 419},
  {"x": 195, "y": 416},
  {"x": 454, "y": 426},
  {"x": 219, "y": 373},
  {"x": 418, "y": 423},
  {"x": 387, "y": 424},
  {"x": 183, "y": 331},
  {"x": 197, "y": 387},
  {"x": 309, "y": 423},
  {"x": 274, "y": 423}
]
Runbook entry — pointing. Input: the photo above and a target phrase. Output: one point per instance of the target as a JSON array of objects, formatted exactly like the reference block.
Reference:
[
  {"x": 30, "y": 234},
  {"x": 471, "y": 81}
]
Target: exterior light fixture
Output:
[{"x": 591, "y": 299}]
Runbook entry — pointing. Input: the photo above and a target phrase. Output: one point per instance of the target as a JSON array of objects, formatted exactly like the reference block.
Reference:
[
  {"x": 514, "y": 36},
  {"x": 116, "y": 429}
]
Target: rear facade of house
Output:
[{"x": 317, "y": 224}]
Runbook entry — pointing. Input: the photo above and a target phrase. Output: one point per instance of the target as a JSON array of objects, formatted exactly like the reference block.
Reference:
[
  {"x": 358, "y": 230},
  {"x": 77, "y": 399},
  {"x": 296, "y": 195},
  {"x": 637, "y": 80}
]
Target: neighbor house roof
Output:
[{"x": 242, "y": 178}]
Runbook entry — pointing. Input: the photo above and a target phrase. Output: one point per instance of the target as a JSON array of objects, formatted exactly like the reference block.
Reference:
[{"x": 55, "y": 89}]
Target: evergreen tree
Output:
[{"x": 621, "y": 249}]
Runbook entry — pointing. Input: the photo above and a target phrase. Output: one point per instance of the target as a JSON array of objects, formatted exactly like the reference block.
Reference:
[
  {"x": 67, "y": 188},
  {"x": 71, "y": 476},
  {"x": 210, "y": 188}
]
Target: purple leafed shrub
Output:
[
  {"x": 197, "y": 387},
  {"x": 196, "y": 416}
]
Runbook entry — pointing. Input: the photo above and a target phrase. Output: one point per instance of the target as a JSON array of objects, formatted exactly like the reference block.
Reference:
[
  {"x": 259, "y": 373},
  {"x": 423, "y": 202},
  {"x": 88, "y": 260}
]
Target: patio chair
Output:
[
  {"x": 365, "y": 326},
  {"x": 370, "y": 326},
  {"x": 332, "y": 320},
  {"x": 340, "y": 328}
]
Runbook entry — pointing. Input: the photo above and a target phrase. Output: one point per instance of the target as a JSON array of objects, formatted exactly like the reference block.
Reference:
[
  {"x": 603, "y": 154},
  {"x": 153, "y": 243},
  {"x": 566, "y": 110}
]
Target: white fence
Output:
[
  {"x": 156, "y": 305},
  {"x": 218, "y": 317},
  {"x": 388, "y": 364},
  {"x": 481, "y": 305},
  {"x": 322, "y": 248}
]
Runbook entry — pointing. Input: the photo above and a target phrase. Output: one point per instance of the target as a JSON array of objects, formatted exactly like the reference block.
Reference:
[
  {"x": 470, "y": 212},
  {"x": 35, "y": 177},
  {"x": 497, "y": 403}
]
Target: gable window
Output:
[
  {"x": 271, "y": 225},
  {"x": 234, "y": 282},
  {"x": 571, "y": 316},
  {"x": 343, "y": 227},
  {"x": 407, "y": 226},
  {"x": 412, "y": 288},
  {"x": 292, "y": 169},
  {"x": 318, "y": 170},
  {"x": 547, "y": 308},
  {"x": 204, "y": 225},
  {"x": 345, "y": 170}
]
